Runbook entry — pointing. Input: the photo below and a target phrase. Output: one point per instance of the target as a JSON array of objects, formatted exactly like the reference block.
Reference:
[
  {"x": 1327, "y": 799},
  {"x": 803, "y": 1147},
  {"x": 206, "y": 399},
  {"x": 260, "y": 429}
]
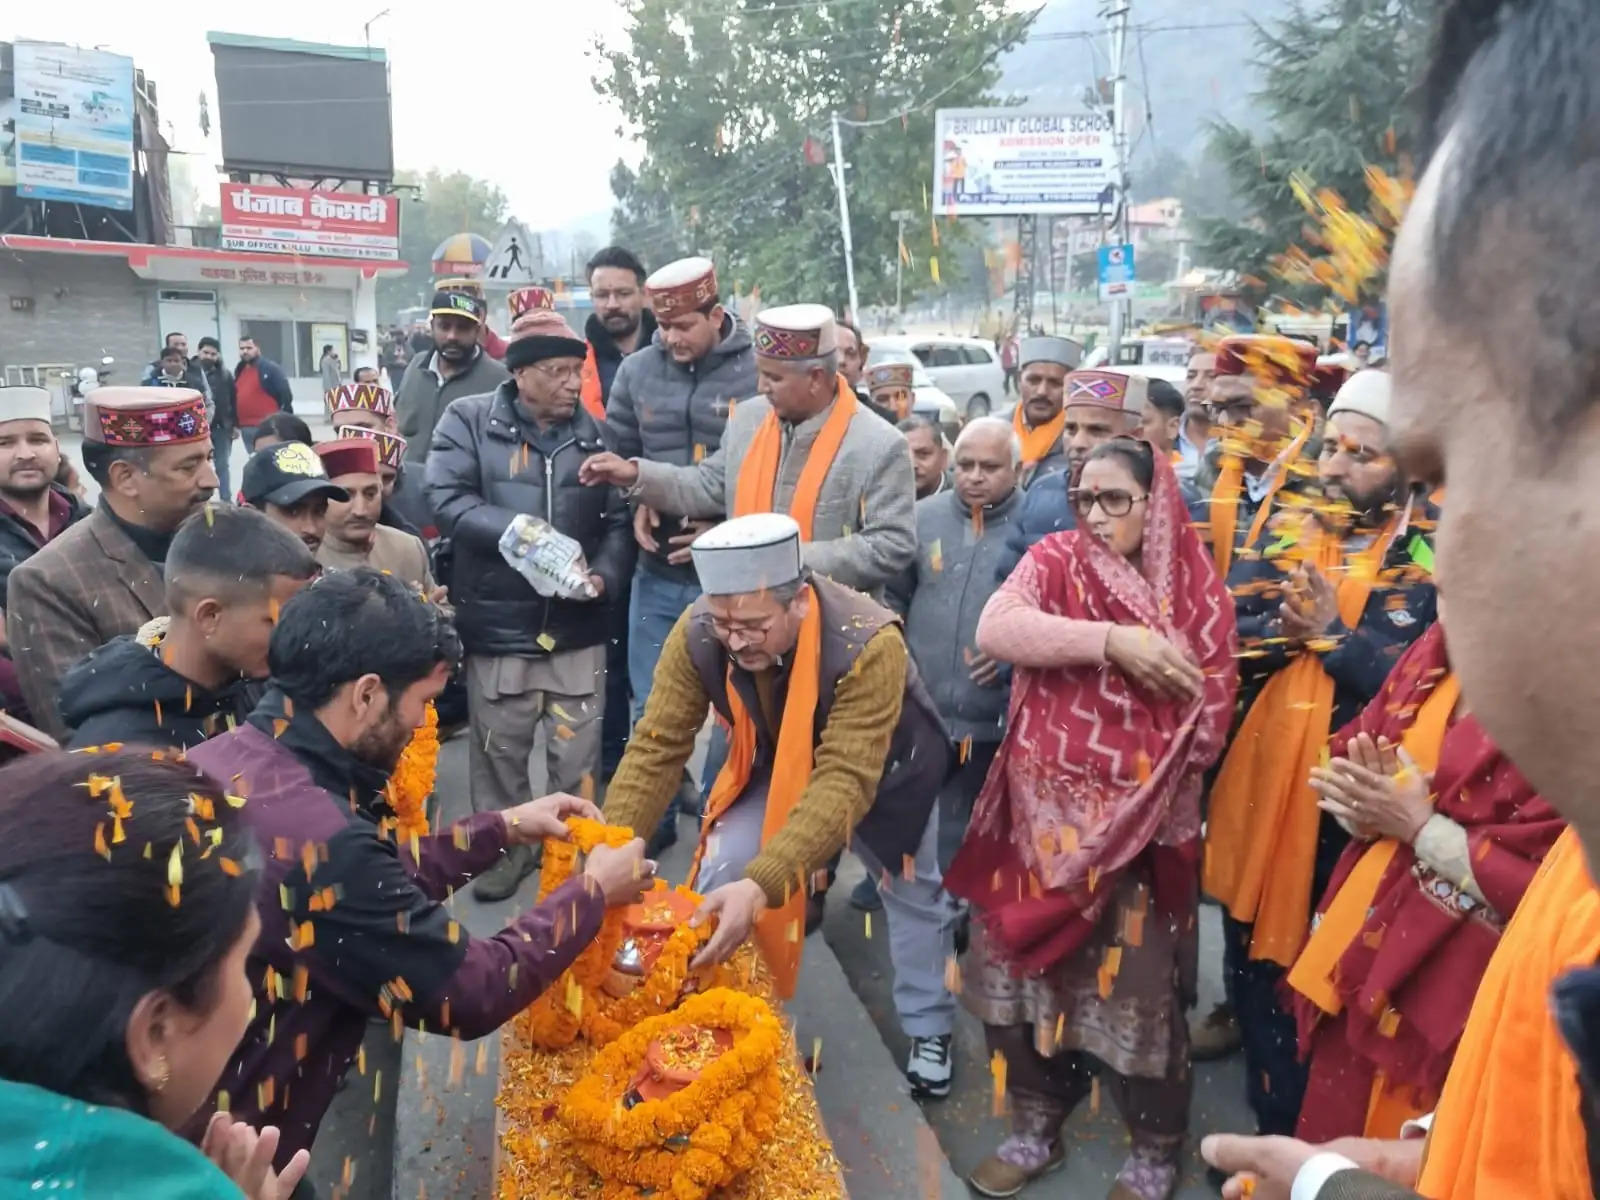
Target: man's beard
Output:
[
  {"x": 620, "y": 324},
  {"x": 381, "y": 746},
  {"x": 26, "y": 492},
  {"x": 1348, "y": 509}
]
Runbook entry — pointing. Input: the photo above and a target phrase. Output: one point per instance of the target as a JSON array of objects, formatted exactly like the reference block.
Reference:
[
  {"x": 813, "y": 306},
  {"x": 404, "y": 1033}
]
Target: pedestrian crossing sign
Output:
[{"x": 515, "y": 258}]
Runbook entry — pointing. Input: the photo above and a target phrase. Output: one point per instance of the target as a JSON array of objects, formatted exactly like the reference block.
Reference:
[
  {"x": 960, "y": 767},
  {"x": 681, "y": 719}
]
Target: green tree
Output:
[
  {"x": 732, "y": 100},
  {"x": 442, "y": 205},
  {"x": 1334, "y": 91}
]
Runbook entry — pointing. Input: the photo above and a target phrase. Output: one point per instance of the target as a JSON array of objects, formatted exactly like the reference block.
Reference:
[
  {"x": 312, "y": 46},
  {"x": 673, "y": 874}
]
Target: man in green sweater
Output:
[{"x": 833, "y": 739}]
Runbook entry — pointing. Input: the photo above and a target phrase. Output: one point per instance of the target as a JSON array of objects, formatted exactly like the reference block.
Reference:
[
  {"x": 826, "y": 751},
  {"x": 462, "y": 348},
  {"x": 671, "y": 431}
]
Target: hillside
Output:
[{"x": 1194, "y": 66}]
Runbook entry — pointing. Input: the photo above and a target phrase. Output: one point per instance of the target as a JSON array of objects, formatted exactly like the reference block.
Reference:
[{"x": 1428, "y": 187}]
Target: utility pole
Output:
[
  {"x": 900, "y": 215},
  {"x": 844, "y": 222},
  {"x": 1117, "y": 17}
]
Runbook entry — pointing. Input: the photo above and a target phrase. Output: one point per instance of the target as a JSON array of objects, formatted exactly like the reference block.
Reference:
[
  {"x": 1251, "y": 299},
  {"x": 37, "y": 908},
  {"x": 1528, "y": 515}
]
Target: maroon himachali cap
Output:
[
  {"x": 348, "y": 456},
  {"x": 134, "y": 416},
  {"x": 684, "y": 286}
]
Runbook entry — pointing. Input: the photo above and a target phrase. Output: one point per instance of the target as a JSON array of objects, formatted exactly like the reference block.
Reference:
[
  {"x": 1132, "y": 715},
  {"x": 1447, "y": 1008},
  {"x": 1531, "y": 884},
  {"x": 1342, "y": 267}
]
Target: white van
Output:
[{"x": 966, "y": 369}]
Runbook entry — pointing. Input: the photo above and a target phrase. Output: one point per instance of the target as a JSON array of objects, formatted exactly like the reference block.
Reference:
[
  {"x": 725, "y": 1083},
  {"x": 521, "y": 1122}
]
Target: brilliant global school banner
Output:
[
  {"x": 74, "y": 125},
  {"x": 991, "y": 162}
]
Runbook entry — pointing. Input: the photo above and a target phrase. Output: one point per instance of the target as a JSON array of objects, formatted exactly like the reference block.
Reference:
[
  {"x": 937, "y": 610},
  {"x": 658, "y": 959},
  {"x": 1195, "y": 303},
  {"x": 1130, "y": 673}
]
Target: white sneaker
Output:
[{"x": 928, "y": 1068}]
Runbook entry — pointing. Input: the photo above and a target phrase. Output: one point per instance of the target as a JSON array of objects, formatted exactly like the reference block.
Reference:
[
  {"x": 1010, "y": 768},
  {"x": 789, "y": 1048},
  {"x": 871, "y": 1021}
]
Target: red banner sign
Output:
[{"x": 274, "y": 220}]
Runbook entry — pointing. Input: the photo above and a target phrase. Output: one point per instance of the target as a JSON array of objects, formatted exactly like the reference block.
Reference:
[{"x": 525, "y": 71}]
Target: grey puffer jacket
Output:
[
  {"x": 942, "y": 594},
  {"x": 671, "y": 412},
  {"x": 487, "y": 464}
]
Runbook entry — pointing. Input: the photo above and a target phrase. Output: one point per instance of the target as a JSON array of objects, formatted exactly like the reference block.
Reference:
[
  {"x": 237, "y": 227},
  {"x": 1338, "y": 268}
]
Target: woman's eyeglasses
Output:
[{"x": 1113, "y": 501}]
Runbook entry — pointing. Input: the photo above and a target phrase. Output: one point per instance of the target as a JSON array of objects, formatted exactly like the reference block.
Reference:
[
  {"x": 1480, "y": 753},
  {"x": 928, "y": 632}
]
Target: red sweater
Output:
[{"x": 252, "y": 401}]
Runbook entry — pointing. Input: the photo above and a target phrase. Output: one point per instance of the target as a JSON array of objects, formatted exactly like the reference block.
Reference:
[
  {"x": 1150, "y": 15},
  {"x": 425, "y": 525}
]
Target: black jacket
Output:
[
  {"x": 18, "y": 542},
  {"x": 608, "y": 355},
  {"x": 216, "y": 381},
  {"x": 488, "y": 464},
  {"x": 123, "y": 692}
]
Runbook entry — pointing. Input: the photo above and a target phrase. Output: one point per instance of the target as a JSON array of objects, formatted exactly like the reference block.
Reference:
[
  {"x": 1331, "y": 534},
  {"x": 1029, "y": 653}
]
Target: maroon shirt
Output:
[
  {"x": 20, "y": 539},
  {"x": 380, "y": 941}
]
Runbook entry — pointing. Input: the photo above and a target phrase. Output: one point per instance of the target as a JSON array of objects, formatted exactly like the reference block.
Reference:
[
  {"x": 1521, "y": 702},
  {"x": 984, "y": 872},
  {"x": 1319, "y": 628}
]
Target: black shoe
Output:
[
  {"x": 501, "y": 881},
  {"x": 865, "y": 895},
  {"x": 816, "y": 909},
  {"x": 666, "y": 835},
  {"x": 688, "y": 800}
]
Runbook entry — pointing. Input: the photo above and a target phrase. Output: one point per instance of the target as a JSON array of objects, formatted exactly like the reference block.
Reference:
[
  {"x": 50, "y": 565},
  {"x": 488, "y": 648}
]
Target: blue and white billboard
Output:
[{"x": 74, "y": 125}]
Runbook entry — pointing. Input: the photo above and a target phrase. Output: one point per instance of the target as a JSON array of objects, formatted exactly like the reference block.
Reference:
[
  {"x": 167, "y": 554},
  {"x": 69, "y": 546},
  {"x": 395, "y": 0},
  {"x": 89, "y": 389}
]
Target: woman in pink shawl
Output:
[{"x": 1081, "y": 858}]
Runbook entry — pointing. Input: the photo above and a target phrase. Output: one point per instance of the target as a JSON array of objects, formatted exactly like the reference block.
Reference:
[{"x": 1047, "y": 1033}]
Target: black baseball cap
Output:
[
  {"x": 286, "y": 474},
  {"x": 450, "y": 303}
]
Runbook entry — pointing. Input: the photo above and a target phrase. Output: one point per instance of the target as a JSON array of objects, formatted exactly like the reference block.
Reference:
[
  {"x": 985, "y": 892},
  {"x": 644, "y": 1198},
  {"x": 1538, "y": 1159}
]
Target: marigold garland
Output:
[
  {"x": 605, "y": 1016},
  {"x": 412, "y": 781},
  {"x": 540, "y": 1160},
  {"x": 718, "y": 1122},
  {"x": 556, "y": 1017}
]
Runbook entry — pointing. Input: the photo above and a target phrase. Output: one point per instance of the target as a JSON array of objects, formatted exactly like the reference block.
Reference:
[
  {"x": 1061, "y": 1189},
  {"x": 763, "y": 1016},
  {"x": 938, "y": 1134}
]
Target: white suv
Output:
[{"x": 966, "y": 369}]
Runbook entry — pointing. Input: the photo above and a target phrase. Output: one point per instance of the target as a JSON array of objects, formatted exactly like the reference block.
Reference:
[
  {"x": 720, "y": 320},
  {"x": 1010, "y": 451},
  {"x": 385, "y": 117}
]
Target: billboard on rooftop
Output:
[{"x": 303, "y": 110}]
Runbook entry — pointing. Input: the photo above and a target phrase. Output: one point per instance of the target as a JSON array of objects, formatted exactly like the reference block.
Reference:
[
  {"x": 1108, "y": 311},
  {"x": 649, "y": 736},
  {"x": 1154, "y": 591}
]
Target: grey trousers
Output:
[
  {"x": 920, "y": 918},
  {"x": 511, "y": 701}
]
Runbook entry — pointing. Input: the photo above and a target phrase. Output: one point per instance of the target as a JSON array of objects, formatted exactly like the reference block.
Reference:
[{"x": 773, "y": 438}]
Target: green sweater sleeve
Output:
[
  {"x": 662, "y": 742},
  {"x": 845, "y": 769}
]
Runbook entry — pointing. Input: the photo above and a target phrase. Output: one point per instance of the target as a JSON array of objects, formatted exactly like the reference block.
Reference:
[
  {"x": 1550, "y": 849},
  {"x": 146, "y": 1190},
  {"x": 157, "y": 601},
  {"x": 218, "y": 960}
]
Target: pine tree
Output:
[{"x": 1335, "y": 89}]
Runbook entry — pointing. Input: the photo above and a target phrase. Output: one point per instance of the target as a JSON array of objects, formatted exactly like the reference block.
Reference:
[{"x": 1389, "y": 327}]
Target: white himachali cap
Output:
[
  {"x": 1365, "y": 392},
  {"x": 754, "y": 553},
  {"x": 24, "y": 404}
]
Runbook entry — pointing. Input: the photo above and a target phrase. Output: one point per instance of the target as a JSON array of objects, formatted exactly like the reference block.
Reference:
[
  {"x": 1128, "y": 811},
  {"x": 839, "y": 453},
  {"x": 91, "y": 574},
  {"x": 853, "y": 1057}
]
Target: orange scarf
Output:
[
  {"x": 590, "y": 393},
  {"x": 780, "y": 932},
  {"x": 1040, "y": 441},
  {"x": 758, "y": 473},
  {"x": 1261, "y": 832},
  {"x": 1312, "y": 975},
  {"x": 1509, "y": 1122},
  {"x": 1224, "y": 506}
]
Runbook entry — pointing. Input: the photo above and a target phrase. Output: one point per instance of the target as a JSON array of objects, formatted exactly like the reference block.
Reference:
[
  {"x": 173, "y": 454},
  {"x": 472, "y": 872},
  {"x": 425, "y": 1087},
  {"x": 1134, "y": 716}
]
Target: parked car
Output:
[
  {"x": 967, "y": 369},
  {"x": 927, "y": 398},
  {"x": 1164, "y": 352}
]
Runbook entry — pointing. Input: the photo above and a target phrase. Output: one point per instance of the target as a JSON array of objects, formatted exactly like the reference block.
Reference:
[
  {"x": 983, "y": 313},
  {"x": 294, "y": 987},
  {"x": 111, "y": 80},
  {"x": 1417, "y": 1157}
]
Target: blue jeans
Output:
[
  {"x": 247, "y": 434},
  {"x": 654, "y": 605}
]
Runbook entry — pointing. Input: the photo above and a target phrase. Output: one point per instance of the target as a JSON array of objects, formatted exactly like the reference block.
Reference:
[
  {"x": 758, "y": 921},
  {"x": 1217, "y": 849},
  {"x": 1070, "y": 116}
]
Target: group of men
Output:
[
  {"x": 635, "y": 448},
  {"x": 759, "y": 516},
  {"x": 236, "y": 401}
]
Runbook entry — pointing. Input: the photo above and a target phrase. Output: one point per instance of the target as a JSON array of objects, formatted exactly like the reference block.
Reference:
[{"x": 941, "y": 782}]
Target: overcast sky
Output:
[{"x": 494, "y": 88}]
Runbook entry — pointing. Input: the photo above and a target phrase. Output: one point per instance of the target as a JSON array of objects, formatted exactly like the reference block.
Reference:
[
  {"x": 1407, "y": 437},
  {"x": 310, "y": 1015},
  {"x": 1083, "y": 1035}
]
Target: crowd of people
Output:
[{"x": 1053, "y": 679}]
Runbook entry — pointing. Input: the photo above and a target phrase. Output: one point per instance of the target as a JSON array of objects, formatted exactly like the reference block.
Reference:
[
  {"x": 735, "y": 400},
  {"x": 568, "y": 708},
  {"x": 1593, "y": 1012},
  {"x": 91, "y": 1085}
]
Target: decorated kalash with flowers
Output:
[{"x": 637, "y": 1076}]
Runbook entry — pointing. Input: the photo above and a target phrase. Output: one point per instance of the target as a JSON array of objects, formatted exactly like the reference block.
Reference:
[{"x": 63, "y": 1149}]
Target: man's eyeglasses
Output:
[
  {"x": 1114, "y": 502},
  {"x": 749, "y": 633},
  {"x": 552, "y": 371}
]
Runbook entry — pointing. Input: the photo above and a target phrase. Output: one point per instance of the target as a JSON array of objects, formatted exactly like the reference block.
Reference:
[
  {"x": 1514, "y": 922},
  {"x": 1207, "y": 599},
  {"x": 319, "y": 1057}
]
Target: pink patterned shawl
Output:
[{"x": 1093, "y": 769}]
